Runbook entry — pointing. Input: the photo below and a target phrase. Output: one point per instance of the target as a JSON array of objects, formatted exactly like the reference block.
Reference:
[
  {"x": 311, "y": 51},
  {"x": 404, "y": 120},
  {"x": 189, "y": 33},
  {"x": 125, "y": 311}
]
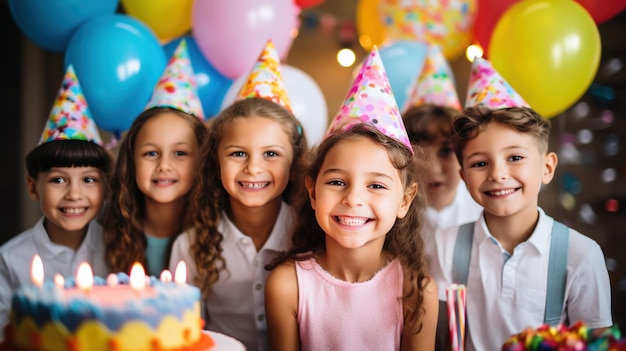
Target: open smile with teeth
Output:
[
  {"x": 164, "y": 181},
  {"x": 502, "y": 192},
  {"x": 249, "y": 185},
  {"x": 351, "y": 221},
  {"x": 73, "y": 210}
]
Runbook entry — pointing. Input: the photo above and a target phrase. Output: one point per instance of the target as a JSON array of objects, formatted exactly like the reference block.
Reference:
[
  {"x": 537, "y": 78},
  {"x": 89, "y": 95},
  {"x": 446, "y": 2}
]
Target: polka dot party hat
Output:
[
  {"x": 265, "y": 79},
  {"x": 70, "y": 117},
  {"x": 488, "y": 88},
  {"x": 435, "y": 84},
  {"x": 371, "y": 101},
  {"x": 177, "y": 86}
]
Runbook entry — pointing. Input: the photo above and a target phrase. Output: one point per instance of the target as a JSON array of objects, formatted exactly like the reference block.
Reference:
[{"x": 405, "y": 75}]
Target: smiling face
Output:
[
  {"x": 358, "y": 194},
  {"x": 504, "y": 170},
  {"x": 166, "y": 155},
  {"x": 69, "y": 197},
  {"x": 255, "y": 156}
]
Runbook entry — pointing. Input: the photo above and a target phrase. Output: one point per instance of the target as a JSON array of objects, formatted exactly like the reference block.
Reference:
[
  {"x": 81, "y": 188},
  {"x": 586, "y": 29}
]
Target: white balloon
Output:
[{"x": 307, "y": 101}]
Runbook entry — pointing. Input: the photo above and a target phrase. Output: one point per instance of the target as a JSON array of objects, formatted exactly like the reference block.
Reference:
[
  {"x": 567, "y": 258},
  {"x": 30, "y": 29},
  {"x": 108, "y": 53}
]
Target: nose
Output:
[
  {"x": 74, "y": 191},
  {"x": 353, "y": 197},
  {"x": 253, "y": 165},
  {"x": 497, "y": 172},
  {"x": 164, "y": 164}
]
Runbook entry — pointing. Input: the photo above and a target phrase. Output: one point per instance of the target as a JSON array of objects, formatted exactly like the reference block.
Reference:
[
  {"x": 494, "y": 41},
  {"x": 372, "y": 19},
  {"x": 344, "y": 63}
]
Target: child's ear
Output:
[
  {"x": 407, "y": 200},
  {"x": 310, "y": 188},
  {"x": 550, "y": 161},
  {"x": 32, "y": 187},
  {"x": 462, "y": 174}
]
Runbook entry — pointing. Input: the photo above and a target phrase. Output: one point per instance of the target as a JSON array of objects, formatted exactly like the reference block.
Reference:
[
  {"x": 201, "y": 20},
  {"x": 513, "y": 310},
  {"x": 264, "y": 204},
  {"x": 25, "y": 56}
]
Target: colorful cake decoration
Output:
[
  {"x": 488, "y": 88},
  {"x": 70, "y": 117},
  {"x": 177, "y": 86},
  {"x": 371, "y": 101},
  {"x": 435, "y": 84},
  {"x": 265, "y": 79}
]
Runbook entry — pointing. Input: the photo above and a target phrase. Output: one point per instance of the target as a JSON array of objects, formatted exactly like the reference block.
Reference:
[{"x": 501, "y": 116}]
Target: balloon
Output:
[
  {"x": 50, "y": 24},
  {"x": 548, "y": 50},
  {"x": 403, "y": 60},
  {"x": 212, "y": 85},
  {"x": 118, "y": 61},
  {"x": 445, "y": 23},
  {"x": 305, "y": 4},
  {"x": 307, "y": 101},
  {"x": 167, "y": 18},
  {"x": 369, "y": 24},
  {"x": 489, "y": 12},
  {"x": 601, "y": 11},
  {"x": 232, "y": 34}
]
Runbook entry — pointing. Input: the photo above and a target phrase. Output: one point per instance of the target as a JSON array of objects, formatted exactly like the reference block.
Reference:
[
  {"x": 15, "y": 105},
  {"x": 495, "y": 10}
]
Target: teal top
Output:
[{"x": 156, "y": 254}]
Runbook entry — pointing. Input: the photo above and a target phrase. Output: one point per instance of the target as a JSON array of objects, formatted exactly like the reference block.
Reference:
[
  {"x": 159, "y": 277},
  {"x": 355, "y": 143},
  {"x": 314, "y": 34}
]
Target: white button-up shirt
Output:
[
  {"x": 236, "y": 306},
  {"x": 507, "y": 293},
  {"x": 16, "y": 257}
]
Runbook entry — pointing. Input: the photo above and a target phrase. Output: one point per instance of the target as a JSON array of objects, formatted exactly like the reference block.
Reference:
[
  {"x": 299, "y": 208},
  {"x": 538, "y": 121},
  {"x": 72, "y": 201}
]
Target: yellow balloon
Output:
[
  {"x": 548, "y": 50},
  {"x": 168, "y": 19},
  {"x": 369, "y": 24}
]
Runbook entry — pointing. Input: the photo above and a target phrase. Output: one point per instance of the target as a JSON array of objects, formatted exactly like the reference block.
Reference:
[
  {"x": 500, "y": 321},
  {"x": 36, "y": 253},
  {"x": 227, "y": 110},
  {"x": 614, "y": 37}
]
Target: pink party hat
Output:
[
  {"x": 435, "y": 84},
  {"x": 266, "y": 80},
  {"x": 488, "y": 88},
  {"x": 177, "y": 86},
  {"x": 371, "y": 101},
  {"x": 70, "y": 117}
]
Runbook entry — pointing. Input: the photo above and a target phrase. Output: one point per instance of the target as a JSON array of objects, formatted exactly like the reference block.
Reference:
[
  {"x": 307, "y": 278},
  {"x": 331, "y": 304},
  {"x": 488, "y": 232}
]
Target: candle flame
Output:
[
  {"x": 59, "y": 281},
  {"x": 36, "y": 271},
  {"x": 137, "y": 277},
  {"x": 180, "y": 275},
  {"x": 84, "y": 277},
  {"x": 166, "y": 276}
]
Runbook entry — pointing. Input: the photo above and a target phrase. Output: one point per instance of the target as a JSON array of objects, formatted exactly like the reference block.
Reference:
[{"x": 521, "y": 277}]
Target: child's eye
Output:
[
  {"x": 58, "y": 180},
  {"x": 180, "y": 153},
  {"x": 238, "y": 154},
  {"x": 478, "y": 164},
  {"x": 150, "y": 154},
  {"x": 445, "y": 151},
  {"x": 377, "y": 186},
  {"x": 90, "y": 179},
  {"x": 336, "y": 182},
  {"x": 270, "y": 154},
  {"x": 516, "y": 158}
]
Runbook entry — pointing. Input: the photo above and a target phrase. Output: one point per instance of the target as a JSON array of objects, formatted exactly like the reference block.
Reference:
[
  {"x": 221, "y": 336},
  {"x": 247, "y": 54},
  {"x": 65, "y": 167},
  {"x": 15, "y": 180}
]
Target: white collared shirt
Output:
[
  {"x": 16, "y": 256},
  {"x": 507, "y": 293},
  {"x": 237, "y": 303}
]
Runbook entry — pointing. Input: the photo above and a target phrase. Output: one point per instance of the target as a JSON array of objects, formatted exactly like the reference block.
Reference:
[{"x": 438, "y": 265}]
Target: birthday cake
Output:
[
  {"x": 107, "y": 316},
  {"x": 574, "y": 337}
]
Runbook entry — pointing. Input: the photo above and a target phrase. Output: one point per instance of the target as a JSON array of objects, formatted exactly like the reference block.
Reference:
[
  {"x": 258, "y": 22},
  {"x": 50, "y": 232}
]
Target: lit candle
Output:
[
  {"x": 166, "y": 276},
  {"x": 59, "y": 281},
  {"x": 36, "y": 271},
  {"x": 180, "y": 275},
  {"x": 84, "y": 277},
  {"x": 137, "y": 277}
]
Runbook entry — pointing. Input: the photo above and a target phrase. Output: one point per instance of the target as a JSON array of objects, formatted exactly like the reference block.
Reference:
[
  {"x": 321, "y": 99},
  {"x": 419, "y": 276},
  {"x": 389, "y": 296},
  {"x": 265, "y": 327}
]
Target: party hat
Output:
[
  {"x": 70, "y": 117},
  {"x": 265, "y": 79},
  {"x": 488, "y": 88},
  {"x": 177, "y": 86},
  {"x": 435, "y": 84},
  {"x": 371, "y": 101}
]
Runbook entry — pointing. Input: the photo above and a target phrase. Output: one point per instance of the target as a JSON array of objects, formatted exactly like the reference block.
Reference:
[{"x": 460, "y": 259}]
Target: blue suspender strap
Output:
[
  {"x": 462, "y": 253},
  {"x": 557, "y": 274}
]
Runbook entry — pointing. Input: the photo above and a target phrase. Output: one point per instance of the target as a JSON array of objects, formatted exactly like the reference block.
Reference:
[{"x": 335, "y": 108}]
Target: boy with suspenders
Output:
[{"x": 521, "y": 268}]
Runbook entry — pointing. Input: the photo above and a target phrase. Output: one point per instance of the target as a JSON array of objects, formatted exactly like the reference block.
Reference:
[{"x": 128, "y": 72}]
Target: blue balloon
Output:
[
  {"x": 212, "y": 85},
  {"x": 403, "y": 60},
  {"x": 50, "y": 24},
  {"x": 118, "y": 61}
]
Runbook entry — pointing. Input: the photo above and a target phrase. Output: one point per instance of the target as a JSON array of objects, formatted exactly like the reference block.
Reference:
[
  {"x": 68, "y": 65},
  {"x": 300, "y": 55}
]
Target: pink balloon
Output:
[{"x": 231, "y": 34}]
